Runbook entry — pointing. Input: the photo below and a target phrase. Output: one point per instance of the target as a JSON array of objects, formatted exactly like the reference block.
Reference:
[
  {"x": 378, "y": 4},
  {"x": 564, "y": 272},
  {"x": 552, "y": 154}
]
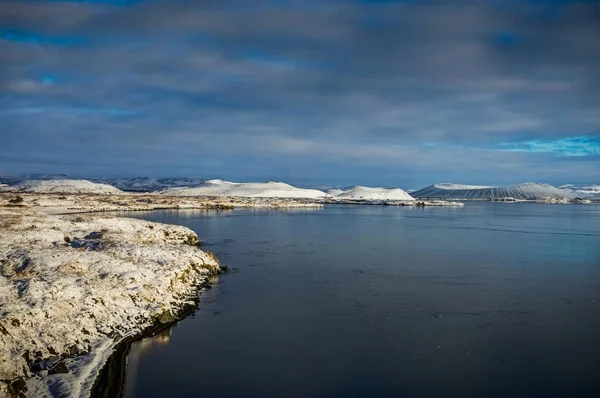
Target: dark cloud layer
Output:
[{"x": 383, "y": 92}]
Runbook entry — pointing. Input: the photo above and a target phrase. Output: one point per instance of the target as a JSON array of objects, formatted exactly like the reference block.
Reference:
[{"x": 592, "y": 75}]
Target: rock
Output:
[
  {"x": 76, "y": 349},
  {"x": 37, "y": 365},
  {"x": 18, "y": 386},
  {"x": 58, "y": 367},
  {"x": 166, "y": 317},
  {"x": 93, "y": 235}
]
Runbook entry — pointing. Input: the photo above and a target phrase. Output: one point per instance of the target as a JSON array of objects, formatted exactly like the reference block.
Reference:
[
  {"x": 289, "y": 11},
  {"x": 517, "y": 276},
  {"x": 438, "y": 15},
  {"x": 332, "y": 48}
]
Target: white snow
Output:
[
  {"x": 82, "y": 283},
  {"x": 147, "y": 184},
  {"x": 449, "y": 185},
  {"x": 584, "y": 192},
  {"x": 525, "y": 191},
  {"x": 334, "y": 191},
  {"x": 369, "y": 193},
  {"x": 61, "y": 186},
  {"x": 246, "y": 189}
]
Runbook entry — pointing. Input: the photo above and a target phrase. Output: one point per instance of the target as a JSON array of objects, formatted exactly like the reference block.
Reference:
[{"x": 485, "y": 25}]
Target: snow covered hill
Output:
[
  {"x": 368, "y": 193},
  {"x": 246, "y": 189},
  {"x": 61, "y": 186},
  {"x": 147, "y": 184},
  {"x": 584, "y": 192},
  {"x": 525, "y": 191}
]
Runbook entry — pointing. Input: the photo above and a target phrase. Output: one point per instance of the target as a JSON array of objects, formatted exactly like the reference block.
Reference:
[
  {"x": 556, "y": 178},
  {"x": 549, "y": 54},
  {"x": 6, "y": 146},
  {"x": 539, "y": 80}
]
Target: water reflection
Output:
[
  {"x": 145, "y": 348},
  {"x": 488, "y": 300}
]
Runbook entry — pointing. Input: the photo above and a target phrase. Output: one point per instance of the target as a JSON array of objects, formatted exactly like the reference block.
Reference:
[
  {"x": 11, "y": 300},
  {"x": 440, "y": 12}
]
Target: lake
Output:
[{"x": 490, "y": 300}]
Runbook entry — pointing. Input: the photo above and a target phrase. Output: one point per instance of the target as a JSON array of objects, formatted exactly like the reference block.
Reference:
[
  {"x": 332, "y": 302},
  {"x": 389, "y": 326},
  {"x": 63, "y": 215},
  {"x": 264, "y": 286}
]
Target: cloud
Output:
[
  {"x": 325, "y": 82},
  {"x": 572, "y": 146}
]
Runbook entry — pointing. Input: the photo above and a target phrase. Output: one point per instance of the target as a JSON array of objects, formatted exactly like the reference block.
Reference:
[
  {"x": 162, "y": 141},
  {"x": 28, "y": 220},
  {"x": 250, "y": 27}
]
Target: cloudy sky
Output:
[{"x": 395, "y": 93}]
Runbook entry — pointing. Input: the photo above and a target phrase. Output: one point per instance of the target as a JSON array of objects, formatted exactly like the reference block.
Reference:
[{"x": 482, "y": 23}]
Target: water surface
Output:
[{"x": 491, "y": 299}]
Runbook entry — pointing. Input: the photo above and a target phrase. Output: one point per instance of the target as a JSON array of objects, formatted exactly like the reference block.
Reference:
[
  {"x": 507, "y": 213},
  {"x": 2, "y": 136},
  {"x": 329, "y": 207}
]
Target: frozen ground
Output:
[
  {"x": 72, "y": 286},
  {"x": 246, "y": 189},
  {"x": 77, "y": 203},
  {"x": 368, "y": 193},
  {"x": 525, "y": 191}
]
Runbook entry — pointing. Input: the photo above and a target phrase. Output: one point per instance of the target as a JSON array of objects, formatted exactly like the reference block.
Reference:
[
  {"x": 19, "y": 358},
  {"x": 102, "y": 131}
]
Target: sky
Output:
[{"x": 329, "y": 92}]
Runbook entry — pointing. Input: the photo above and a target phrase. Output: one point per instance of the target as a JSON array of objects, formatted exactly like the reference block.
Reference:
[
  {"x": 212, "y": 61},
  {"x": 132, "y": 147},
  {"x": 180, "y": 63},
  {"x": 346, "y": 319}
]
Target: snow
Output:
[
  {"x": 79, "y": 284},
  {"x": 61, "y": 186},
  {"x": 247, "y": 189},
  {"x": 334, "y": 191},
  {"x": 146, "y": 184},
  {"x": 584, "y": 192},
  {"x": 368, "y": 193},
  {"x": 525, "y": 191},
  {"x": 449, "y": 185}
]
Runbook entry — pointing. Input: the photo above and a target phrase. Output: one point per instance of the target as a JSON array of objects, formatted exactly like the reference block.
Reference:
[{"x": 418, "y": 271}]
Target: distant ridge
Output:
[
  {"x": 584, "y": 192},
  {"x": 246, "y": 189},
  {"x": 368, "y": 193},
  {"x": 61, "y": 186},
  {"x": 525, "y": 191}
]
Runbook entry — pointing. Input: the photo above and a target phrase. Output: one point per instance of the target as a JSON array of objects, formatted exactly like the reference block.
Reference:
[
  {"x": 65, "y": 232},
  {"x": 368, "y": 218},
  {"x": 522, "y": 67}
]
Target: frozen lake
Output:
[{"x": 488, "y": 300}]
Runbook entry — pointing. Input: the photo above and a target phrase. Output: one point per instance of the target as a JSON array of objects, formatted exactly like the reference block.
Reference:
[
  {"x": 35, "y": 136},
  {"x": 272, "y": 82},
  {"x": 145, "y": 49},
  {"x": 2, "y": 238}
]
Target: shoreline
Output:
[
  {"x": 114, "y": 365},
  {"x": 74, "y": 306},
  {"x": 110, "y": 380}
]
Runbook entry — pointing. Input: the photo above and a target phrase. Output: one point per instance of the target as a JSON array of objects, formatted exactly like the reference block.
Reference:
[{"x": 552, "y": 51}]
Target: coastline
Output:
[
  {"x": 108, "y": 375},
  {"x": 110, "y": 380},
  {"x": 70, "y": 207},
  {"x": 72, "y": 305}
]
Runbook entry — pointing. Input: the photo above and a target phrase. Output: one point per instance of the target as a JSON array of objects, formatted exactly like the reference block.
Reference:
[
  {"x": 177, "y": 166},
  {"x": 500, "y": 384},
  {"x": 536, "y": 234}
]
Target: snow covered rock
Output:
[
  {"x": 368, "y": 193},
  {"x": 61, "y": 186},
  {"x": 525, "y": 191},
  {"x": 246, "y": 189},
  {"x": 71, "y": 285}
]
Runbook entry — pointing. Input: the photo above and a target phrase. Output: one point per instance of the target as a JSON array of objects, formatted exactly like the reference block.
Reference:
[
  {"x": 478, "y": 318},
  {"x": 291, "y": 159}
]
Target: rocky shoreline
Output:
[
  {"x": 49, "y": 246},
  {"x": 72, "y": 288},
  {"x": 110, "y": 382}
]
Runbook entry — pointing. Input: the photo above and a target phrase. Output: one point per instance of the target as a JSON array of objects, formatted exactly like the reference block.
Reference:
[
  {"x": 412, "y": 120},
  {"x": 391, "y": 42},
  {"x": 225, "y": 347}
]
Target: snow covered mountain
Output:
[
  {"x": 583, "y": 192},
  {"x": 525, "y": 191},
  {"x": 246, "y": 189},
  {"x": 147, "y": 184},
  {"x": 368, "y": 193},
  {"x": 61, "y": 186}
]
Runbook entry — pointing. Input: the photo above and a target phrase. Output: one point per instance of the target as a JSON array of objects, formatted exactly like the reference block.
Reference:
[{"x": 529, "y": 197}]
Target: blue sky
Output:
[{"x": 337, "y": 92}]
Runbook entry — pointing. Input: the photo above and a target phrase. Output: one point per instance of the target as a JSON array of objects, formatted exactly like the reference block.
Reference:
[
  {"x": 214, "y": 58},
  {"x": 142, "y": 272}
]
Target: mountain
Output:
[
  {"x": 247, "y": 189},
  {"x": 61, "y": 186},
  {"x": 584, "y": 192},
  {"x": 525, "y": 191},
  {"x": 15, "y": 179},
  {"x": 146, "y": 184},
  {"x": 368, "y": 193}
]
